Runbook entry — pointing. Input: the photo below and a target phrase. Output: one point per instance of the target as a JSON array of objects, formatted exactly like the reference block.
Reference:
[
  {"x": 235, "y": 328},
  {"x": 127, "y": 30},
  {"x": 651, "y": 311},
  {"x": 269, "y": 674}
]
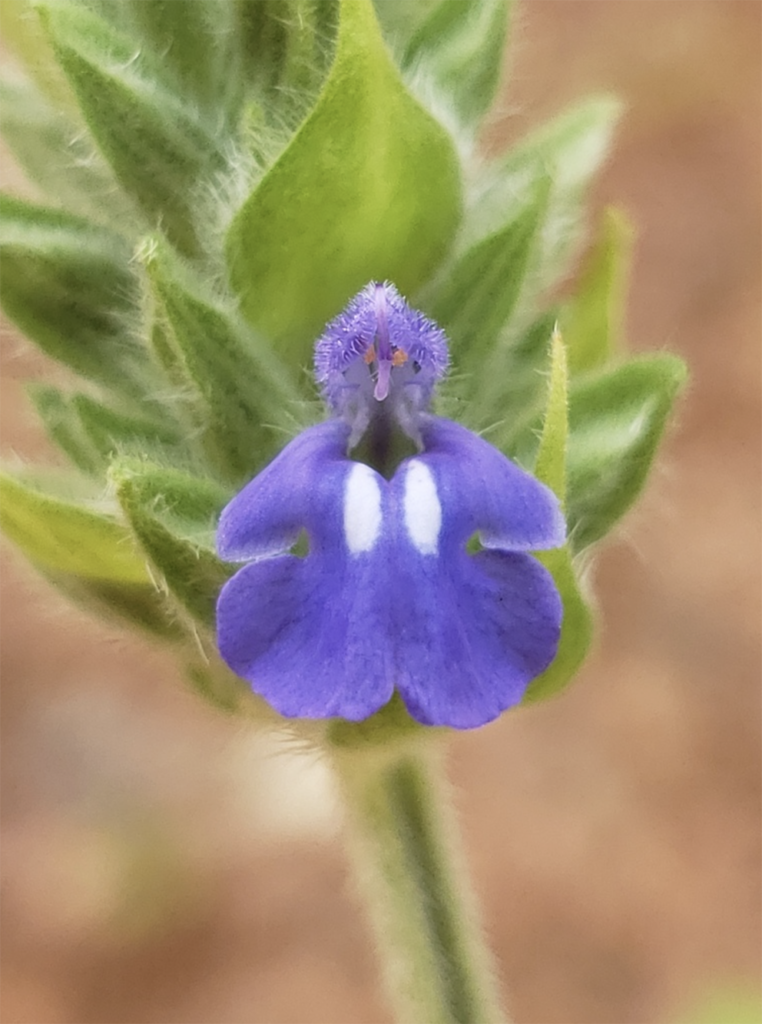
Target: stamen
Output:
[
  {"x": 370, "y": 355},
  {"x": 399, "y": 358}
]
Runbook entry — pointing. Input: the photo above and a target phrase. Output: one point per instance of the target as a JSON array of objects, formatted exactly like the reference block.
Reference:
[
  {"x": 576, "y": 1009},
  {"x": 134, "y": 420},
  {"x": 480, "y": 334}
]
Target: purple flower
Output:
[{"x": 388, "y": 596}]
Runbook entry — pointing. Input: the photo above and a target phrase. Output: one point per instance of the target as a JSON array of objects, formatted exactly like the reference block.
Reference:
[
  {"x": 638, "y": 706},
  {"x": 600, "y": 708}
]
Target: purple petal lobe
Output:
[
  {"x": 486, "y": 492},
  {"x": 471, "y": 634},
  {"x": 300, "y": 486},
  {"x": 309, "y": 635}
]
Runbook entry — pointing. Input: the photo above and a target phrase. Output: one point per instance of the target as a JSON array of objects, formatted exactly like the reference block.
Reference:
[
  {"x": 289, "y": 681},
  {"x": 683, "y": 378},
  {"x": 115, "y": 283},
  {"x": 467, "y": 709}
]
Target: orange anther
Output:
[
  {"x": 370, "y": 354},
  {"x": 399, "y": 357}
]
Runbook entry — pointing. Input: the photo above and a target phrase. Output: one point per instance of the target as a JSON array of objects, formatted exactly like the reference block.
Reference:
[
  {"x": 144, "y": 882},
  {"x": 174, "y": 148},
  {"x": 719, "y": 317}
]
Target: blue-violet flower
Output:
[{"x": 388, "y": 596}]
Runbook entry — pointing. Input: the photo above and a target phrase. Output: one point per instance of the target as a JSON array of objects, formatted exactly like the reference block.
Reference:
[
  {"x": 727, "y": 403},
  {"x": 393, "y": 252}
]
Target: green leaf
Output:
[
  {"x": 460, "y": 46},
  {"x": 245, "y": 394},
  {"x": 91, "y": 433},
  {"x": 58, "y": 535},
  {"x": 402, "y": 19},
  {"x": 368, "y": 188},
  {"x": 64, "y": 427},
  {"x": 287, "y": 47},
  {"x": 111, "y": 431},
  {"x": 173, "y": 516},
  {"x": 24, "y": 35},
  {"x": 592, "y": 321},
  {"x": 738, "y": 1003},
  {"x": 550, "y": 468},
  {"x": 515, "y": 240},
  {"x": 156, "y": 144},
  {"x": 139, "y": 605},
  {"x": 616, "y": 423},
  {"x": 568, "y": 151},
  {"x": 197, "y": 45},
  {"x": 68, "y": 285},
  {"x": 56, "y": 157},
  {"x": 477, "y": 292}
]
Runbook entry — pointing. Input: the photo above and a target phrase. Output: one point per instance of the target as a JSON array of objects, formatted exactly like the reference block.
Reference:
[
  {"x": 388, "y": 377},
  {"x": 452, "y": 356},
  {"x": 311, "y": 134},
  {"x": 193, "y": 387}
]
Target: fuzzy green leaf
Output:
[
  {"x": 59, "y": 535},
  {"x": 592, "y": 321},
  {"x": 139, "y": 605},
  {"x": 550, "y": 468},
  {"x": 64, "y": 428},
  {"x": 57, "y": 158},
  {"x": 367, "y": 188},
  {"x": 68, "y": 285},
  {"x": 288, "y": 46},
  {"x": 197, "y": 46},
  {"x": 155, "y": 143},
  {"x": 460, "y": 47},
  {"x": 111, "y": 430},
  {"x": 616, "y": 423},
  {"x": 475, "y": 295},
  {"x": 515, "y": 241},
  {"x": 173, "y": 516},
  {"x": 567, "y": 151},
  {"x": 245, "y": 396},
  {"x": 91, "y": 433}
]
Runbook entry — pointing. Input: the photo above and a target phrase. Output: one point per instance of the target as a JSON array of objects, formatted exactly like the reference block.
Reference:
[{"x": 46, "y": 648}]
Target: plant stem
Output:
[{"x": 411, "y": 873}]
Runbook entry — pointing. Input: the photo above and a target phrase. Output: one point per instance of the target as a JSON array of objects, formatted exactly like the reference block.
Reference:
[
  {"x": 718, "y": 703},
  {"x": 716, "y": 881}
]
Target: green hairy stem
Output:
[{"x": 411, "y": 874}]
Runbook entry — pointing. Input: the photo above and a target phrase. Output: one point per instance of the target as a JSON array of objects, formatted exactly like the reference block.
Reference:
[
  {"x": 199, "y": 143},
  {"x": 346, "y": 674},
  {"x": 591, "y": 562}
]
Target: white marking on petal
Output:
[
  {"x": 362, "y": 509},
  {"x": 423, "y": 512}
]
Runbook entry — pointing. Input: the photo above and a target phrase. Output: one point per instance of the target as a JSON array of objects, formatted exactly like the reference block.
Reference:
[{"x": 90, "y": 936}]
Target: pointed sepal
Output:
[
  {"x": 173, "y": 515},
  {"x": 550, "y": 467}
]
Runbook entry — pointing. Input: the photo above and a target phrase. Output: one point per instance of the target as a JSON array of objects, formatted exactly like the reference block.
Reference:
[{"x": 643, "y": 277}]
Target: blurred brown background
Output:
[{"x": 160, "y": 866}]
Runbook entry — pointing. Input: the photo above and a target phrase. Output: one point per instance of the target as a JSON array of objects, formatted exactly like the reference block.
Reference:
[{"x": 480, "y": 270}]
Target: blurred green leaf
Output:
[
  {"x": 368, "y": 188},
  {"x": 247, "y": 395},
  {"x": 155, "y": 143},
  {"x": 139, "y": 605},
  {"x": 112, "y": 431},
  {"x": 401, "y": 19},
  {"x": 91, "y": 433},
  {"x": 196, "y": 41},
  {"x": 477, "y": 292},
  {"x": 460, "y": 46},
  {"x": 173, "y": 516},
  {"x": 592, "y": 320},
  {"x": 68, "y": 285},
  {"x": 567, "y": 151},
  {"x": 58, "y": 535},
  {"x": 550, "y": 468},
  {"x": 727, "y": 1004},
  {"x": 25, "y": 37},
  {"x": 56, "y": 157},
  {"x": 516, "y": 238},
  {"x": 64, "y": 428}
]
